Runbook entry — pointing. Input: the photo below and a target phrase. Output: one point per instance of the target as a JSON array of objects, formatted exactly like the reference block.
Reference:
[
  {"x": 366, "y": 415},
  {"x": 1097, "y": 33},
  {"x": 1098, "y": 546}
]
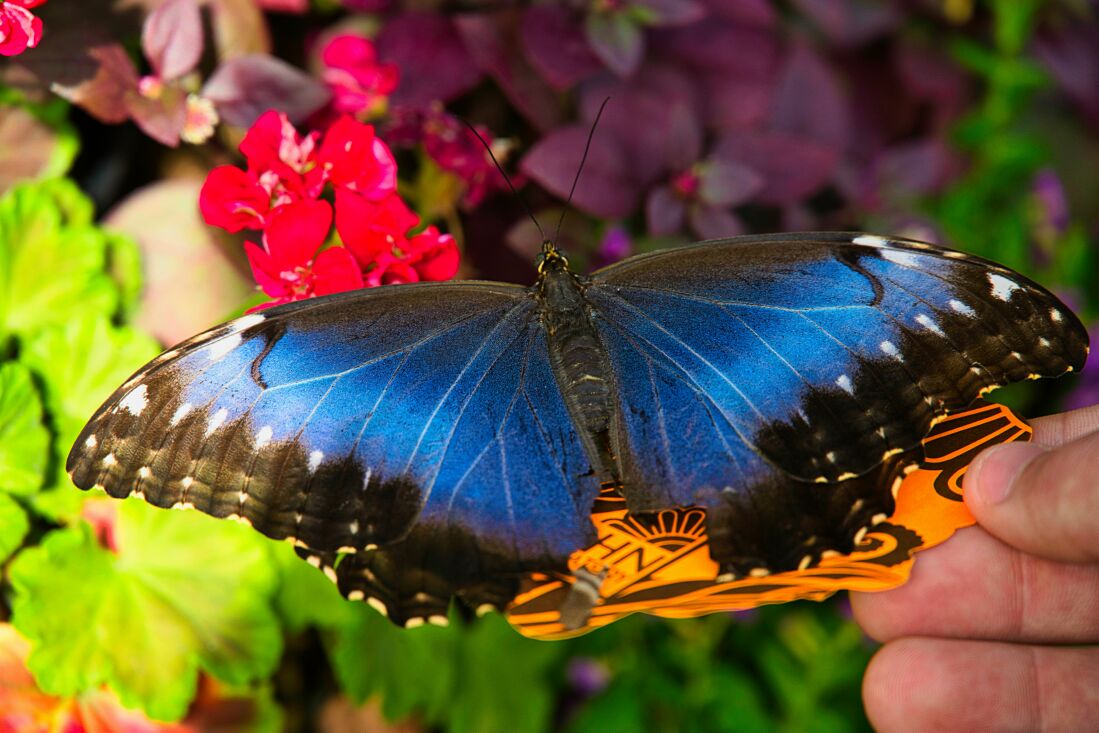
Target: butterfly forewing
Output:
[
  {"x": 346, "y": 422},
  {"x": 744, "y": 367}
]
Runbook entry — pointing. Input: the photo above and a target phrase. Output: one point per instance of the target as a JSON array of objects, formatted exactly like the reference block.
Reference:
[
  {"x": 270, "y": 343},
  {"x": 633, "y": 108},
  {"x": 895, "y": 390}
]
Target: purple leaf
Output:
[
  {"x": 616, "y": 40},
  {"x": 652, "y": 117},
  {"x": 172, "y": 38},
  {"x": 63, "y": 57},
  {"x": 718, "y": 47},
  {"x": 926, "y": 73},
  {"x": 556, "y": 45},
  {"x": 161, "y": 118},
  {"x": 735, "y": 104},
  {"x": 809, "y": 102},
  {"x": 792, "y": 168},
  {"x": 852, "y": 22},
  {"x": 664, "y": 211},
  {"x": 714, "y": 222},
  {"x": 728, "y": 183},
  {"x": 914, "y": 167},
  {"x": 1070, "y": 57},
  {"x": 104, "y": 95},
  {"x": 759, "y": 13},
  {"x": 605, "y": 187},
  {"x": 672, "y": 12},
  {"x": 497, "y": 49},
  {"x": 434, "y": 62},
  {"x": 244, "y": 88}
]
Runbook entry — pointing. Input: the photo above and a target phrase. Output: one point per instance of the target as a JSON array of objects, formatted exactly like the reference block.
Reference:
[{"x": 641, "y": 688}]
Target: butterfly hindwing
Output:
[
  {"x": 751, "y": 373},
  {"x": 424, "y": 415}
]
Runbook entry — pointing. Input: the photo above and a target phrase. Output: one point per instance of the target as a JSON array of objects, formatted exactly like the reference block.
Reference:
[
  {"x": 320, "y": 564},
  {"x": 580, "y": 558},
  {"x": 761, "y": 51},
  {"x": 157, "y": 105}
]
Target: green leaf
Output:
[
  {"x": 52, "y": 258},
  {"x": 412, "y": 669},
  {"x": 24, "y": 440},
  {"x": 13, "y": 526},
  {"x": 513, "y": 696},
  {"x": 306, "y": 597},
  {"x": 185, "y": 592},
  {"x": 81, "y": 363}
]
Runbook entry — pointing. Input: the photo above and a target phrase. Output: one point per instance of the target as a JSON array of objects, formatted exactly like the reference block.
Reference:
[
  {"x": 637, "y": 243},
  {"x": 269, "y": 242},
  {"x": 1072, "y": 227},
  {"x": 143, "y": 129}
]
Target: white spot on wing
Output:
[
  {"x": 263, "y": 437},
  {"x": 925, "y": 320},
  {"x": 186, "y": 481},
  {"x": 890, "y": 349},
  {"x": 871, "y": 240},
  {"x": 216, "y": 421},
  {"x": 315, "y": 459},
  {"x": 901, "y": 257},
  {"x": 960, "y": 307},
  {"x": 109, "y": 459},
  {"x": 1002, "y": 288},
  {"x": 844, "y": 383},
  {"x": 246, "y": 322},
  {"x": 144, "y": 472},
  {"x": 180, "y": 413},
  {"x": 136, "y": 401},
  {"x": 219, "y": 348},
  {"x": 1056, "y": 315},
  {"x": 91, "y": 442}
]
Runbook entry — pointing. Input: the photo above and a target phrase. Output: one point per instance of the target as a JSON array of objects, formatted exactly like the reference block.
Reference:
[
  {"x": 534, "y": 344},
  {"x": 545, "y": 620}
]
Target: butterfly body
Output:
[{"x": 452, "y": 437}]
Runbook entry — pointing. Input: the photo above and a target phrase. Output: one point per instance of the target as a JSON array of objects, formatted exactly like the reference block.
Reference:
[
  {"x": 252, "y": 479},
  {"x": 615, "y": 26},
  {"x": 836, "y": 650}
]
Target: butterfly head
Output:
[{"x": 551, "y": 259}]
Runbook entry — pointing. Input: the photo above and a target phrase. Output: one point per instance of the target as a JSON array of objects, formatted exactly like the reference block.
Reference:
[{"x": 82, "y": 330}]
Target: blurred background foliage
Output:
[{"x": 965, "y": 122}]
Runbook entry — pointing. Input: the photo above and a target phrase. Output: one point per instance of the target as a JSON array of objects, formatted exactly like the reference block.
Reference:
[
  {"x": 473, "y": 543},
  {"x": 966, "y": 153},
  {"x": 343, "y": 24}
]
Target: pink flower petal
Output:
[
  {"x": 353, "y": 157},
  {"x": 335, "y": 271},
  {"x": 369, "y": 228},
  {"x": 233, "y": 200},
  {"x": 264, "y": 271},
  {"x": 296, "y": 231},
  {"x": 433, "y": 255},
  {"x": 19, "y": 30}
]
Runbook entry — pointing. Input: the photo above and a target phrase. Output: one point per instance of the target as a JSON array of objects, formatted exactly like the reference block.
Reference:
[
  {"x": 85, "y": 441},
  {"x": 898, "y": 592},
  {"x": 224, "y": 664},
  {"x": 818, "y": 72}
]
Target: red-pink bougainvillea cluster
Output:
[
  {"x": 282, "y": 194},
  {"x": 19, "y": 28}
]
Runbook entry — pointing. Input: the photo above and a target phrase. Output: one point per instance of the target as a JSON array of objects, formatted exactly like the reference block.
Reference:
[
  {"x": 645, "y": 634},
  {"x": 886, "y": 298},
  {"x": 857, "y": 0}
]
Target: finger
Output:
[
  {"x": 921, "y": 684},
  {"x": 1054, "y": 430},
  {"x": 1042, "y": 501},
  {"x": 976, "y": 587}
]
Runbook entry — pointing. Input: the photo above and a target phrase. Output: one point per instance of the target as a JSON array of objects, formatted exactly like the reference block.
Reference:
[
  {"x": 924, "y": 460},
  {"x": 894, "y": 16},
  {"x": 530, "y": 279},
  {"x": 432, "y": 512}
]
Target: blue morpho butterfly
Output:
[{"x": 453, "y": 436}]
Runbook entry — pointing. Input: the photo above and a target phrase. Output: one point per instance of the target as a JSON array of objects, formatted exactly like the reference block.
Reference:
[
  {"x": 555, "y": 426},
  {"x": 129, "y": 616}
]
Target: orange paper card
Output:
[{"x": 664, "y": 567}]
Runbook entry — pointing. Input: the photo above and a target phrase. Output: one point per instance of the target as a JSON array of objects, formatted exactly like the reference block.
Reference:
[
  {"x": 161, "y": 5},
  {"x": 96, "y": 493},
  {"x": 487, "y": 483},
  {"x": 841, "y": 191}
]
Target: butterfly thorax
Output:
[{"x": 576, "y": 354}]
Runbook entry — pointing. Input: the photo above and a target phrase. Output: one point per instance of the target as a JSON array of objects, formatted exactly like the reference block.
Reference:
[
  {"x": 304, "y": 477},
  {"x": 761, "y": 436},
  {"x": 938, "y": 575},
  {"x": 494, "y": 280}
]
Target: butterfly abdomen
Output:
[{"x": 576, "y": 355}]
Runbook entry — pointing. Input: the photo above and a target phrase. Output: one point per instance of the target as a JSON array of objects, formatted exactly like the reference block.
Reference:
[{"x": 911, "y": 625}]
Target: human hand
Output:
[{"x": 998, "y": 629}]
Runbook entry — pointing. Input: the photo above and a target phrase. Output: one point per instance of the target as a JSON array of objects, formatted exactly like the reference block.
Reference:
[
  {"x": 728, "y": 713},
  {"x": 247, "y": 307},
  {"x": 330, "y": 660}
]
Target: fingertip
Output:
[{"x": 992, "y": 477}]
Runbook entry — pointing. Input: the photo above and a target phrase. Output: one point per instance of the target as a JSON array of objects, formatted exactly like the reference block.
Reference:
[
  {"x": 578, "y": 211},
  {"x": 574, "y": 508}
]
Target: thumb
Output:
[{"x": 1042, "y": 501}]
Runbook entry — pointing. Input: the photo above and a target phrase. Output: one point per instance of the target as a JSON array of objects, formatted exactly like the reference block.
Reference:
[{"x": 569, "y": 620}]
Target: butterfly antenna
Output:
[
  {"x": 587, "y": 147},
  {"x": 522, "y": 201}
]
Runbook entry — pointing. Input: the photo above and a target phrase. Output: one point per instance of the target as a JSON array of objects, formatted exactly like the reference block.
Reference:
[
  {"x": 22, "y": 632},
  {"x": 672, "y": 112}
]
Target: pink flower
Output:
[
  {"x": 272, "y": 145},
  {"x": 288, "y": 266},
  {"x": 19, "y": 28},
  {"x": 371, "y": 228},
  {"x": 351, "y": 156},
  {"x": 434, "y": 255},
  {"x": 359, "y": 84},
  {"x": 234, "y": 199}
]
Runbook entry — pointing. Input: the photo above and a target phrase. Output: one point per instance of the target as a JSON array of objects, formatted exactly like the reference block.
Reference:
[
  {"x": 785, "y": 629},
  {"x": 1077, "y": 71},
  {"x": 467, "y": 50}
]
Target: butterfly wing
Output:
[
  {"x": 423, "y": 418},
  {"x": 781, "y": 380}
]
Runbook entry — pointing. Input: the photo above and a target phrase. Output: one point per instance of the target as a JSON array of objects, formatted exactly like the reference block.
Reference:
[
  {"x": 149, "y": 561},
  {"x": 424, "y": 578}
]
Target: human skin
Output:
[{"x": 998, "y": 628}]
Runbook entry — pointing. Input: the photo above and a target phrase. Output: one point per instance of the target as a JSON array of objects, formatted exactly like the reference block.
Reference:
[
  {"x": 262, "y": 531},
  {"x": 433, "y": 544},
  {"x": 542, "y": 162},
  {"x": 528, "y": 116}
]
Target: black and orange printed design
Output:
[{"x": 662, "y": 565}]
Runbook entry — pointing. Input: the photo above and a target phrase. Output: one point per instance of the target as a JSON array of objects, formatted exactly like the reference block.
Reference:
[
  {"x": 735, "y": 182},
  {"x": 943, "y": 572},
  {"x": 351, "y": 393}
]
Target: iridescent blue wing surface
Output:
[
  {"x": 782, "y": 381},
  {"x": 418, "y": 427}
]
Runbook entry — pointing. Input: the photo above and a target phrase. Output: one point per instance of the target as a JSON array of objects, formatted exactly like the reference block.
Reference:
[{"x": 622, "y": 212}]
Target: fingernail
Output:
[{"x": 990, "y": 479}]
